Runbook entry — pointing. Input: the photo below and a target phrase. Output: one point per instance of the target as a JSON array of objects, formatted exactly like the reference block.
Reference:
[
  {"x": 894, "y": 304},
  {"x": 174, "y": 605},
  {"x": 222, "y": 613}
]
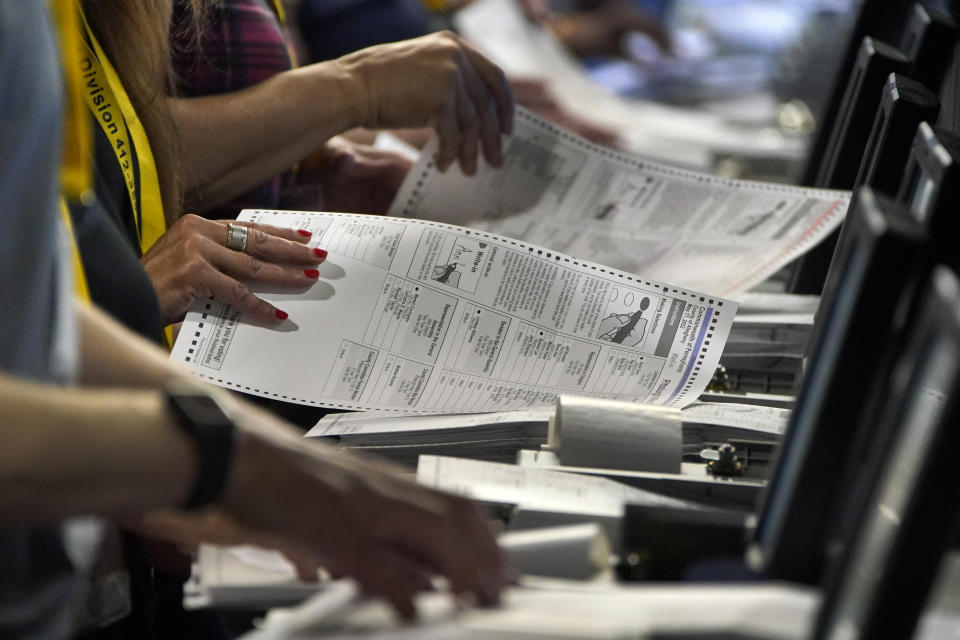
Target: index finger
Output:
[
  {"x": 496, "y": 82},
  {"x": 262, "y": 243}
]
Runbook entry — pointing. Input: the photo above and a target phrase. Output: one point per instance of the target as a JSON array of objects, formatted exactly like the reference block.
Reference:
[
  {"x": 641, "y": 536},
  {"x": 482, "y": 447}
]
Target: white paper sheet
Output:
[
  {"x": 772, "y": 420},
  {"x": 243, "y": 576},
  {"x": 422, "y": 317},
  {"x": 386, "y": 141},
  {"x": 559, "y": 190},
  {"x": 352, "y": 424},
  {"x": 536, "y": 488},
  {"x": 402, "y": 437}
]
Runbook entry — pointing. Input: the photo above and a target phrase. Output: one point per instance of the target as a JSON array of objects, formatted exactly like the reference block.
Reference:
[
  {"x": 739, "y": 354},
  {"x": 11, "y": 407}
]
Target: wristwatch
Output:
[{"x": 201, "y": 417}]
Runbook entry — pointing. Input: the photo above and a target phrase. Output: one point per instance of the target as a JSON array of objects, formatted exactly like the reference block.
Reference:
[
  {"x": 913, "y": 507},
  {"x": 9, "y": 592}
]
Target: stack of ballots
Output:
[
  {"x": 495, "y": 437},
  {"x": 499, "y": 437}
]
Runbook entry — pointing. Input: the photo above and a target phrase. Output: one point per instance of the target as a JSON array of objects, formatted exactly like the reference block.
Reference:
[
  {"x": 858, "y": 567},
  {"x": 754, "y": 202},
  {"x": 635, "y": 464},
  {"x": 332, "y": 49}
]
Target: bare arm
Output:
[
  {"x": 95, "y": 449},
  {"x": 70, "y": 452},
  {"x": 118, "y": 452},
  {"x": 231, "y": 142},
  {"x": 113, "y": 356}
]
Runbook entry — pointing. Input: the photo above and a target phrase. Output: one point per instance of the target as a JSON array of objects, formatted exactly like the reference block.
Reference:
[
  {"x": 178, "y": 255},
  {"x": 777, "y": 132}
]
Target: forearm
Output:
[
  {"x": 69, "y": 452},
  {"x": 232, "y": 142},
  {"x": 112, "y": 355}
]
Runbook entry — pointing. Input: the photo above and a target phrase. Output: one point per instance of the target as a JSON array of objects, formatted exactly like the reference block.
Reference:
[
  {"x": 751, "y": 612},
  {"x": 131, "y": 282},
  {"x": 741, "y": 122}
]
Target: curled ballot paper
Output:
[
  {"x": 556, "y": 189},
  {"x": 593, "y": 432},
  {"x": 414, "y": 316}
]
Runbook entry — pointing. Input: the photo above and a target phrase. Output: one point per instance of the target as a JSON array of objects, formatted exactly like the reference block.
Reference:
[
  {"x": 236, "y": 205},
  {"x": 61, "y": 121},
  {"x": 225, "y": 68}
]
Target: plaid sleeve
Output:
[{"x": 241, "y": 45}]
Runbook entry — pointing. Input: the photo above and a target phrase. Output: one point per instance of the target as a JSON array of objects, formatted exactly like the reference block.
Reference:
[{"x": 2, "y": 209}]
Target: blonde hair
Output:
[{"x": 136, "y": 36}]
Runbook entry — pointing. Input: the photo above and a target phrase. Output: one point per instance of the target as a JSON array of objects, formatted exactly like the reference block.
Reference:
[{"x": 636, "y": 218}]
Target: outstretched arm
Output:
[
  {"x": 70, "y": 452},
  {"x": 230, "y": 142},
  {"x": 118, "y": 452}
]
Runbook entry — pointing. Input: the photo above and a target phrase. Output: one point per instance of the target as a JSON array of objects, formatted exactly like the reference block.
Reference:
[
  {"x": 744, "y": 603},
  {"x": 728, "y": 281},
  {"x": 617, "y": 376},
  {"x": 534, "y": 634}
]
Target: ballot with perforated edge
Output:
[
  {"x": 693, "y": 229},
  {"x": 420, "y": 317}
]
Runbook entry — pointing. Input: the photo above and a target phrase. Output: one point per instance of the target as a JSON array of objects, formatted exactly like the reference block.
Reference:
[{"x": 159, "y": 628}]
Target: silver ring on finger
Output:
[{"x": 237, "y": 237}]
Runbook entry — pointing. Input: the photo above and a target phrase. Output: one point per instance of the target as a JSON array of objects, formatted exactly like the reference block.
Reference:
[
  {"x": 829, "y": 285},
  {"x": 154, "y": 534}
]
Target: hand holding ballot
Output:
[
  {"x": 353, "y": 516},
  {"x": 199, "y": 258},
  {"x": 439, "y": 81}
]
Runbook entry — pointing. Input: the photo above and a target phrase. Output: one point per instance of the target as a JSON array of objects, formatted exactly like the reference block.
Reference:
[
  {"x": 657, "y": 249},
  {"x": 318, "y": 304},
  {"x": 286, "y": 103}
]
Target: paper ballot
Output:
[
  {"x": 420, "y": 317},
  {"x": 561, "y": 191},
  {"x": 497, "y": 436}
]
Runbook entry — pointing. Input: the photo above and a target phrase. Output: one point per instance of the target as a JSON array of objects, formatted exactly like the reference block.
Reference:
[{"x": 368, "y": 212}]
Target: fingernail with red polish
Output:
[
  {"x": 282, "y": 315},
  {"x": 304, "y": 232},
  {"x": 320, "y": 253},
  {"x": 311, "y": 273}
]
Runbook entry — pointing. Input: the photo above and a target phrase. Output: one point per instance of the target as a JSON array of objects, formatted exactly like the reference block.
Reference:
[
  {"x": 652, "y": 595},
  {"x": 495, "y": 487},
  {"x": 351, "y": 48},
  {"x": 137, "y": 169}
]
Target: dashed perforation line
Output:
[
  {"x": 634, "y": 162},
  {"x": 696, "y": 297}
]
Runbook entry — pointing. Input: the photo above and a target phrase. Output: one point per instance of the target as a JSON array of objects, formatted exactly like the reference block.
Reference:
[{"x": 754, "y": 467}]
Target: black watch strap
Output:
[{"x": 202, "y": 418}]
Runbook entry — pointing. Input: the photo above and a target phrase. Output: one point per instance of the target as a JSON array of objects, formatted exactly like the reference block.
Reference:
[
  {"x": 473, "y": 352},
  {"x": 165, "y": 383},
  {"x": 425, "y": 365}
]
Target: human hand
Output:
[
  {"x": 191, "y": 261},
  {"x": 440, "y": 81},
  {"x": 351, "y": 515},
  {"x": 355, "y": 177}
]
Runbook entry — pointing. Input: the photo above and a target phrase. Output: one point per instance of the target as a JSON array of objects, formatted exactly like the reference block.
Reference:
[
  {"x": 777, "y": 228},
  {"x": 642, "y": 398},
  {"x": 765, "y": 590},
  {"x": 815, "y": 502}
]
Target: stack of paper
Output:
[
  {"x": 705, "y": 423},
  {"x": 500, "y": 436},
  {"x": 486, "y": 436}
]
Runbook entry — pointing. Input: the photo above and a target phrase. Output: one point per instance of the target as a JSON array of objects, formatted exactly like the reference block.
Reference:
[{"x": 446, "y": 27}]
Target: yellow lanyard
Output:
[
  {"x": 113, "y": 111},
  {"x": 279, "y": 10},
  {"x": 281, "y": 13},
  {"x": 76, "y": 163}
]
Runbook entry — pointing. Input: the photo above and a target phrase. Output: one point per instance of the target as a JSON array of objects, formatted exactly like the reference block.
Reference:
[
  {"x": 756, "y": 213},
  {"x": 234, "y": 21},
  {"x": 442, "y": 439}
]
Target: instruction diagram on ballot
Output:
[
  {"x": 416, "y": 316},
  {"x": 460, "y": 261}
]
